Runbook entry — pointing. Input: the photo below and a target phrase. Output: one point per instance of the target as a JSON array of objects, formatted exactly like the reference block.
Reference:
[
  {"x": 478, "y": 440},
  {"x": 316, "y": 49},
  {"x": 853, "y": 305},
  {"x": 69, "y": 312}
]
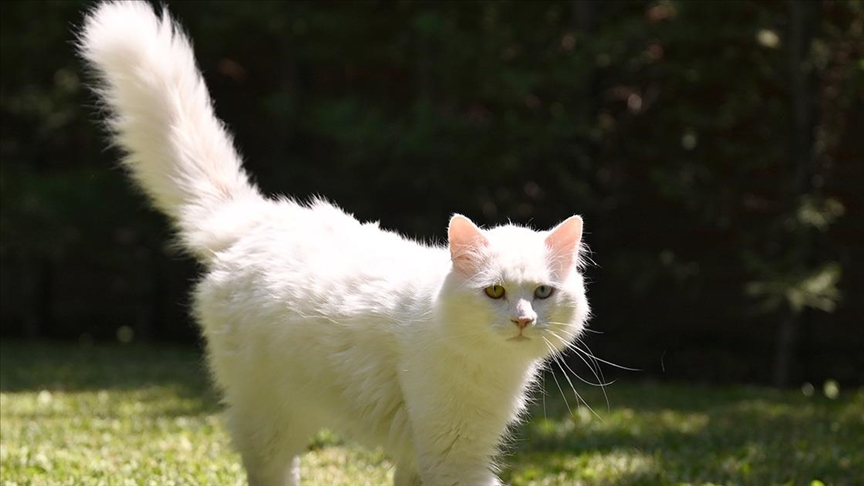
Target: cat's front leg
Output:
[
  {"x": 457, "y": 416},
  {"x": 453, "y": 449},
  {"x": 455, "y": 466}
]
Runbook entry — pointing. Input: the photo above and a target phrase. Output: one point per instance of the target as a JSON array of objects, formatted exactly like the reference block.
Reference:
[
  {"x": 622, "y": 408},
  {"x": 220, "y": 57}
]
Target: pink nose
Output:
[{"x": 522, "y": 321}]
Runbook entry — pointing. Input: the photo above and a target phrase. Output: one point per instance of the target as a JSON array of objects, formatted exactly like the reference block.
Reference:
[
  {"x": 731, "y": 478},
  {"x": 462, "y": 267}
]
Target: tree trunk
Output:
[
  {"x": 803, "y": 20},
  {"x": 38, "y": 295}
]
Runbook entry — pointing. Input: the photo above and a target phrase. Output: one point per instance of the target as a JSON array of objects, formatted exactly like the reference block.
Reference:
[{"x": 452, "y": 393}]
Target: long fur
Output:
[{"x": 315, "y": 319}]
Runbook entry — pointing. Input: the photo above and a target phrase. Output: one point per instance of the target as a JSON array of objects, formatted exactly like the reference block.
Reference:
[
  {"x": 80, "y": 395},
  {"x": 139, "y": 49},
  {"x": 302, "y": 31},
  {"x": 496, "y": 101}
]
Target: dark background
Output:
[{"x": 713, "y": 148}]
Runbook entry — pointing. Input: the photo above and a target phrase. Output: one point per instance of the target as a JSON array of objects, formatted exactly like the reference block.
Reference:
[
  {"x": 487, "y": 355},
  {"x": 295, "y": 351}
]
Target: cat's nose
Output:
[{"x": 522, "y": 321}]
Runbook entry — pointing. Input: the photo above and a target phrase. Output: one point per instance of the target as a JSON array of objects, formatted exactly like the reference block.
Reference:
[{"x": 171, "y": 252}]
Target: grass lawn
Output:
[{"x": 147, "y": 415}]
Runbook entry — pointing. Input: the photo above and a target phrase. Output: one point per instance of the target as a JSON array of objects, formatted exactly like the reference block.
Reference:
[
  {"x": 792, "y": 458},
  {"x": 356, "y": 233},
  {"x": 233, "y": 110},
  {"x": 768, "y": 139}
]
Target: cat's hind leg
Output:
[
  {"x": 406, "y": 475},
  {"x": 276, "y": 473},
  {"x": 270, "y": 446}
]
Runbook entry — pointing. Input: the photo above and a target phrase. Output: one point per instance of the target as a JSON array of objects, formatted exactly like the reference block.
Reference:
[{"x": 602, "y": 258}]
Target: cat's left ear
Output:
[
  {"x": 563, "y": 243},
  {"x": 466, "y": 244}
]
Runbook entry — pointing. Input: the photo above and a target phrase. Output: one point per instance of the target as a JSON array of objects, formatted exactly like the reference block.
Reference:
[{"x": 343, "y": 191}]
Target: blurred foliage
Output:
[
  {"x": 816, "y": 289},
  {"x": 669, "y": 125}
]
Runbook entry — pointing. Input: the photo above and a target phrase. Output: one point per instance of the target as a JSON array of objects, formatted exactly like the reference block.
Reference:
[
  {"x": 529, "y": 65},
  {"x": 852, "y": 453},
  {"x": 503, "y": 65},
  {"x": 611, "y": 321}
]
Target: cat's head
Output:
[{"x": 516, "y": 288}]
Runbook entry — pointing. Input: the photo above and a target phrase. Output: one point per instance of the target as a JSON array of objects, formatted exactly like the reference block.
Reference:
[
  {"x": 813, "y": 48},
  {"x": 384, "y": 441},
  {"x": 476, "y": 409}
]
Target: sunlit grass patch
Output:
[
  {"x": 145, "y": 436},
  {"x": 129, "y": 415},
  {"x": 678, "y": 434},
  {"x": 566, "y": 468}
]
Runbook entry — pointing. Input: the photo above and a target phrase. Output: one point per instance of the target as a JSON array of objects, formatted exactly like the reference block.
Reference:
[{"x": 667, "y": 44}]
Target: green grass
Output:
[{"x": 137, "y": 415}]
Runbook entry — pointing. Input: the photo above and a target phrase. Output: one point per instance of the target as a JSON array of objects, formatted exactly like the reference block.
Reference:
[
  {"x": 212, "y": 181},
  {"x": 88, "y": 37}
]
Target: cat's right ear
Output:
[{"x": 466, "y": 244}]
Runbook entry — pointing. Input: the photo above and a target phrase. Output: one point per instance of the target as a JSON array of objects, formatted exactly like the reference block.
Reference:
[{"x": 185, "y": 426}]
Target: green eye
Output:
[
  {"x": 494, "y": 291},
  {"x": 543, "y": 292}
]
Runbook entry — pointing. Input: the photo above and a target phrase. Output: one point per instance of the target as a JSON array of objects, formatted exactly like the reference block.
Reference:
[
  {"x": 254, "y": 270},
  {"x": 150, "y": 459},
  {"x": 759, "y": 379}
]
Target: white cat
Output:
[{"x": 313, "y": 319}]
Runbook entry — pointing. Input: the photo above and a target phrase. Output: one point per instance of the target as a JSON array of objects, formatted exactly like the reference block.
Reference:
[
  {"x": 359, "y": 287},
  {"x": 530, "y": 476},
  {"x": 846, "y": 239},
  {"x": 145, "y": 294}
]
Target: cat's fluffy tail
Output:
[{"x": 161, "y": 116}]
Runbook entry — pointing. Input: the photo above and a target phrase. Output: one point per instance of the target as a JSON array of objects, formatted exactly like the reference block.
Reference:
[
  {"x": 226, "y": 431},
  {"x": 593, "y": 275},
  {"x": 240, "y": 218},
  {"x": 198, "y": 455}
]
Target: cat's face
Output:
[{"x": 516, "y": 288}]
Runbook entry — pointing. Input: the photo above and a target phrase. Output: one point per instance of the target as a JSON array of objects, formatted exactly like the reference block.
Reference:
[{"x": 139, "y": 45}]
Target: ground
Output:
[{"x": 147, "y": 415}]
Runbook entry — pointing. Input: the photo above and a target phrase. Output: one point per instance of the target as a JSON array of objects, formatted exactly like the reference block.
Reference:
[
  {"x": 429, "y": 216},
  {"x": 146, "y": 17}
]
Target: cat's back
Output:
[{"x": 316, "y": 256}]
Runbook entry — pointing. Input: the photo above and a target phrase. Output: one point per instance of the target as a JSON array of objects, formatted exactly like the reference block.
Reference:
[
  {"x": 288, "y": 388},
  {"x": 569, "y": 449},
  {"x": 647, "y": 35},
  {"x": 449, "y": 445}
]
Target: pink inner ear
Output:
[
  {"x": 466, "y": 241},
  {"x": 563, "y": 242}
]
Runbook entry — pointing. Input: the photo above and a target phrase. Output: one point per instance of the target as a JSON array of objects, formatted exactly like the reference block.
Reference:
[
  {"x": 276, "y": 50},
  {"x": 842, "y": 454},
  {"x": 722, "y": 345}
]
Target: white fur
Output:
[{"x": 313, "y": 319}]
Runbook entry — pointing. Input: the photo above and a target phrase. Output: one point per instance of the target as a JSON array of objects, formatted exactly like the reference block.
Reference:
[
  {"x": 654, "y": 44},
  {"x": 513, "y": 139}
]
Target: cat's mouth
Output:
[{"x": 519, "y": 337}]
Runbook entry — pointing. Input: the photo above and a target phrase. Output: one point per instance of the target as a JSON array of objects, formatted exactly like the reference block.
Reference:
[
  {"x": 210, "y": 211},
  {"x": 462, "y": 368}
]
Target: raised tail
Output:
[{"x": 161, "y": 116}]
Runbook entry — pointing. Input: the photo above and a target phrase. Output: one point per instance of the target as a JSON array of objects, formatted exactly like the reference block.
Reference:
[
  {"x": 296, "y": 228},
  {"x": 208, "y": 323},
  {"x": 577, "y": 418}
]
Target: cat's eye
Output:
[
  {"x": 494, "y": 291},
  {"x": 543, "y": 292}
]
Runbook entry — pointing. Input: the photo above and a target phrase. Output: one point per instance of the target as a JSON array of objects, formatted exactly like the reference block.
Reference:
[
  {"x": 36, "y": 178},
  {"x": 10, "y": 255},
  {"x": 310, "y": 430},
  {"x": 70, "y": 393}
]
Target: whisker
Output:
[
  {"x": 543, "y": 394},
  {"x": 558, "y": 360},
  {"x": 569, "y": 410},
  {"x": 596, "y": 364},
  {"x": 575, "y": 346},
  {"x": 603, "y": 360},
  {"x": 600, "y": 378},
  {"x": 600, "y": 382}
]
